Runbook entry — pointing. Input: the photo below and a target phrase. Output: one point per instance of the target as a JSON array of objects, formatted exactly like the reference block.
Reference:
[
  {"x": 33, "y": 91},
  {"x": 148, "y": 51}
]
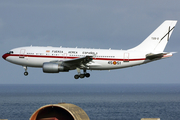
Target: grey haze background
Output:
[{"x": 92, "y": 24}]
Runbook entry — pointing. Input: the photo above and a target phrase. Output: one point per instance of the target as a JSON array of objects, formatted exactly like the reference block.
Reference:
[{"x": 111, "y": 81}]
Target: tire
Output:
[
  {"x": 82, "y": 75},
  {"x": 25, "y": 73},
  {"x": 76, "y": 76},
  {"x": 87, "y": 75}
]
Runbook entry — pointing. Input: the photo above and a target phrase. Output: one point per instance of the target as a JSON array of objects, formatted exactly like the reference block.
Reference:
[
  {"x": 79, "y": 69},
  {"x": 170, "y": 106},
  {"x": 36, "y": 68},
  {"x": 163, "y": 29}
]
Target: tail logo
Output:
[{"x": 167, "y": 34}]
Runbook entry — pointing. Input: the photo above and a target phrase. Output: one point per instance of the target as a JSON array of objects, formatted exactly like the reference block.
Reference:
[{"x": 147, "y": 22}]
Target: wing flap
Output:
[{"x": 83, "y": 60}]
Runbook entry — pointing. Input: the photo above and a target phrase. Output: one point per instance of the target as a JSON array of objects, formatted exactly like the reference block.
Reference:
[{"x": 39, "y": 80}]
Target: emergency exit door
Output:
[{"x": 126, "y": 57}]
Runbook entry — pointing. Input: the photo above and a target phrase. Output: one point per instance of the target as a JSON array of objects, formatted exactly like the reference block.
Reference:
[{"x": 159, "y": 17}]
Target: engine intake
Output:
[{"x": 54, "y": 68}]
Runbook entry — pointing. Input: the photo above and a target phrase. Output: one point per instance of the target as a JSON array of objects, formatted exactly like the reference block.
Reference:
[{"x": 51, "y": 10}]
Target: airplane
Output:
[{"x": 62, "y": 59}]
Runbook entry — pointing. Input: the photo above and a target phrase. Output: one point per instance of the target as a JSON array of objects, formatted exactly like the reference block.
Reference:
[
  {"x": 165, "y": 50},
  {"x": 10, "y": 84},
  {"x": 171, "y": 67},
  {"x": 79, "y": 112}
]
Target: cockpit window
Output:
[{"x": 10, "y": 52}]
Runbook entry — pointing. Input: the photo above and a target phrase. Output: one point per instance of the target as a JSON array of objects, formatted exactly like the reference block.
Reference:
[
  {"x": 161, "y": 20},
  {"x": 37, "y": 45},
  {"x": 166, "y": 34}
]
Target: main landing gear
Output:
[
  {"x": 25, "y": 73},
  {"x": 79, "y": 75}
]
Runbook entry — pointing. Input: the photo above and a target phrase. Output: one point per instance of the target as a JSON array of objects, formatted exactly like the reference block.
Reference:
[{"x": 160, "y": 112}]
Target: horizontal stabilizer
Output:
[{"x": 152, "y": 56}]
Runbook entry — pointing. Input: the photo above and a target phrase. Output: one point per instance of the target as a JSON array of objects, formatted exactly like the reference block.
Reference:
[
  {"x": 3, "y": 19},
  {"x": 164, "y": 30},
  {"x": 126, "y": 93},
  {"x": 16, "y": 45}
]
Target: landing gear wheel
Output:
[
  {"x": 25, "y": 73},
  {"x": 82, "y": 76},
  {"x": 76, "y": 76},
  {"x": 79, "y": 75},
  {"x": 87, "y": 75}
]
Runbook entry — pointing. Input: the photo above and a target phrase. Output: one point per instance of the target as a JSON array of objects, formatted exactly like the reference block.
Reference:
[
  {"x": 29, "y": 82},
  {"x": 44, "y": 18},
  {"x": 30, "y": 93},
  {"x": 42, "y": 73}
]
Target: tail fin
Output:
[{"x": 156, "y": 41}]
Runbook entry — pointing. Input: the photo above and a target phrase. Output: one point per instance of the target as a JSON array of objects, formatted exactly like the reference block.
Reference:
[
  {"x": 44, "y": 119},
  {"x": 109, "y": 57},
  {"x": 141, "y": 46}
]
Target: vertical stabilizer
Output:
[{"x": 156, "y": 41}]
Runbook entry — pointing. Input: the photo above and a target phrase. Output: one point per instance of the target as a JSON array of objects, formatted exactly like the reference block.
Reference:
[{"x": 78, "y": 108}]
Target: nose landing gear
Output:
[{"x": 25, "y": 73}]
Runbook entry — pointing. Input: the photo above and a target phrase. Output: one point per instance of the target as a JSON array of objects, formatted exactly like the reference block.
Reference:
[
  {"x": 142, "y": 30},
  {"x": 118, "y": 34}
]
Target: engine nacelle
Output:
[{"x": 53, "y": 68}]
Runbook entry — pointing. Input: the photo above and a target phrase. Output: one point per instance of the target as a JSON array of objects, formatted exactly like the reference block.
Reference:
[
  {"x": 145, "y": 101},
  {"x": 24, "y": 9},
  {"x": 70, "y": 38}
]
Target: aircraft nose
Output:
[{"x": 5, "y": 56}]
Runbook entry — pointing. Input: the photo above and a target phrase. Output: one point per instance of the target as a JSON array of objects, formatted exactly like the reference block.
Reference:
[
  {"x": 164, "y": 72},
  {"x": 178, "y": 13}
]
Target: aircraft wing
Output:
[
  {"x": 77, "y": 62},
  {"x": 152, "y": 56}
]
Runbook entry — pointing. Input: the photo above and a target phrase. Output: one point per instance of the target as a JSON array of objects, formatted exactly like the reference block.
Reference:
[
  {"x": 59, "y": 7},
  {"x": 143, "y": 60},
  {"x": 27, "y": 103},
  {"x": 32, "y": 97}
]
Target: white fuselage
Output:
[{"x": 103, "y": 59}]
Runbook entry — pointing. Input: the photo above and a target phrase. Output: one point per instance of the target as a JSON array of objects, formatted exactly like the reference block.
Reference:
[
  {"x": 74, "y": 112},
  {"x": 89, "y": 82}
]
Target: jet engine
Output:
[{"x": 54, "y": 68}]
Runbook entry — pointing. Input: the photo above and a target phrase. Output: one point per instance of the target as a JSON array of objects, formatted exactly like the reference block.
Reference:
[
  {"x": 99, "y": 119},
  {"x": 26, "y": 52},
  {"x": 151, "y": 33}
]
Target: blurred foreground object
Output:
[{"x": 60, "y": 111}]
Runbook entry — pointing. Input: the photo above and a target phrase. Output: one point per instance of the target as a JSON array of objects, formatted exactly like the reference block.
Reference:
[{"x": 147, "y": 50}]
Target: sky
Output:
[{"x": 114, "y": 24}]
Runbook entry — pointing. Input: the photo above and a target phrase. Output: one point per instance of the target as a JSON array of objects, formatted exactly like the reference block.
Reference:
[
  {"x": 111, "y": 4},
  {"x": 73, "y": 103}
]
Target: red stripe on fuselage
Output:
[
  {"x": 5, "y": 56},
  {"x": 69, "y": 57}
]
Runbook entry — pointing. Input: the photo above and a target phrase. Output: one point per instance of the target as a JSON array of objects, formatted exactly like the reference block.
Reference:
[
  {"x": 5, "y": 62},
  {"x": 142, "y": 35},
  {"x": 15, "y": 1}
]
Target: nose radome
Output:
[{"x": 5, "y": 56}]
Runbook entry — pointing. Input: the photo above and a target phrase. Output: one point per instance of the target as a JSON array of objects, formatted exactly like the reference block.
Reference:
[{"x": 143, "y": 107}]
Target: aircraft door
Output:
[
  {"x": 65, "y": 55},
  {"x": 126, "y": 57},
  {"x": 22, "y": 53}
]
